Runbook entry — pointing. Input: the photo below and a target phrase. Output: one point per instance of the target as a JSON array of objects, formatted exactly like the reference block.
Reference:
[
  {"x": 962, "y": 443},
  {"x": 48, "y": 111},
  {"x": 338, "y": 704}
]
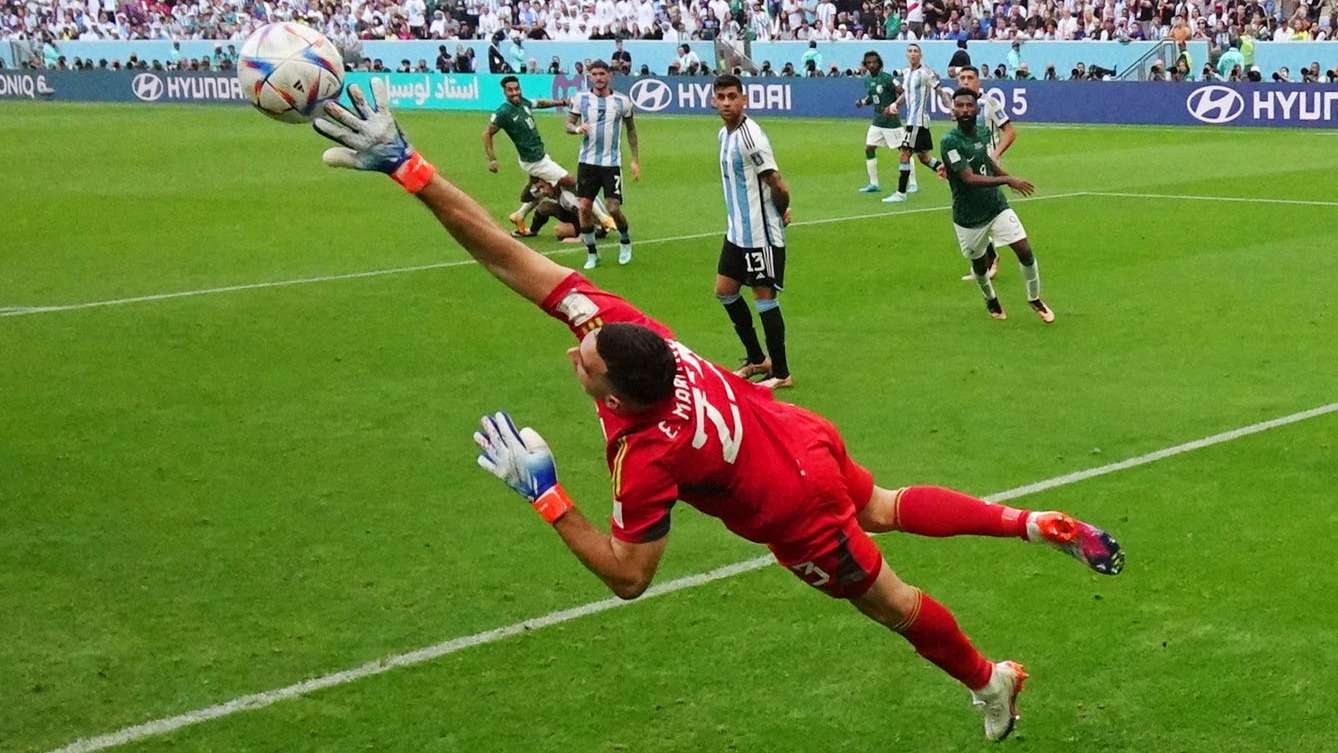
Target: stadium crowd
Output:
[{"x": 1231, "y": 27}]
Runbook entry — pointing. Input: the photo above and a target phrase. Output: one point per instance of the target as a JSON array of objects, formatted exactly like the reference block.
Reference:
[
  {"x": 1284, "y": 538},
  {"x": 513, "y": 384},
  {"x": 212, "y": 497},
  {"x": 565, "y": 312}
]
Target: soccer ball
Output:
[{"x": 288, "y": 70}]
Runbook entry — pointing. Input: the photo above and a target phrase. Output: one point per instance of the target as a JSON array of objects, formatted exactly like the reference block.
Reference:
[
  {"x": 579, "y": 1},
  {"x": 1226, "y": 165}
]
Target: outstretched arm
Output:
[
  {"x": 521, "y": 459},
  {"x": 544, "y": 104},
  {"x": 371, "y": 140}
]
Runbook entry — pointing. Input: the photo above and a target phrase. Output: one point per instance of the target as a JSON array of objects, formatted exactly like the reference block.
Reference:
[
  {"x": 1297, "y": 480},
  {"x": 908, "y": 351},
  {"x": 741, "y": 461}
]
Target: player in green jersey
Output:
[
  {"x": 994, "y": 120},
  {"x": 515, "y": 117},
  {"x": 881, "y": 91},
  {"x": 980, "y": 213}
]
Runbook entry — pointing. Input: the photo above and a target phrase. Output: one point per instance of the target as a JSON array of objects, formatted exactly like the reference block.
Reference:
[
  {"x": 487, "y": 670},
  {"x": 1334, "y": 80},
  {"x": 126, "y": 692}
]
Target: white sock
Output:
[
  {"x": 986, "y": 286},
  {"x": 1032, "y": 275},
  {"x": 601, "y": 214},
  {"x": 871, "y": 165},
  {"x": 526, "y": 208}
]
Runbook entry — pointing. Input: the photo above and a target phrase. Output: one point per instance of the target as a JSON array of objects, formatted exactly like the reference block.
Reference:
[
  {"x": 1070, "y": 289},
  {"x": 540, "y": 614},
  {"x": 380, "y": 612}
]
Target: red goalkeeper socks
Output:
[
  {"x": 934, "y": 633},
  {"x": 935, "y": 511}
]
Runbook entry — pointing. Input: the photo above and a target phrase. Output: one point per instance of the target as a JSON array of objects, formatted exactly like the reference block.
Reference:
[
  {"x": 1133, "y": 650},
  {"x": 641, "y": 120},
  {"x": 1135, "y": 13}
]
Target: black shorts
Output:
[
  {"x": 754, "y": 267},
  {"x": 591, "y": 179},
  {"x": 918, "y": 139}
]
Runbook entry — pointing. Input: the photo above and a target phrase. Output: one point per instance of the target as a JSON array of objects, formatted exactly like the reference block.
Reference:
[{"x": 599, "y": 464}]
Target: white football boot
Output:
[{"x": 998, "y": 699}]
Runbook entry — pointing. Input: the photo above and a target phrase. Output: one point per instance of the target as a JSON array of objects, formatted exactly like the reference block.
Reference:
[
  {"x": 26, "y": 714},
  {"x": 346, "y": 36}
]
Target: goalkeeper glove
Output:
[
  {"x": 371, "y": 139},
  {"x": 521, "y": 458}
]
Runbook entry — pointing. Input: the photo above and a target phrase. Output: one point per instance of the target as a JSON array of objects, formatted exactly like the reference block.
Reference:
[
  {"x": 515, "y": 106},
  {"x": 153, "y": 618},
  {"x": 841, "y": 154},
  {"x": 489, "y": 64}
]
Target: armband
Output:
[
  {"x": 553, "y": 504},
  {"x": 415, "y": 173}
]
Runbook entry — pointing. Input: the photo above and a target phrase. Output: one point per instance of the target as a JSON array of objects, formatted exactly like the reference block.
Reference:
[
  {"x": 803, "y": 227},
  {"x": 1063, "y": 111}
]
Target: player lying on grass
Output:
[{"x": 679, "y": 427}]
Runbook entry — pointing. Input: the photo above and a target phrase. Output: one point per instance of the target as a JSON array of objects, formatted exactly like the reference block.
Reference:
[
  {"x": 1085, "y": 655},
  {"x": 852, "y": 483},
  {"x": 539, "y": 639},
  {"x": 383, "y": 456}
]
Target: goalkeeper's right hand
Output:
[{"x": 371, "y": 139}]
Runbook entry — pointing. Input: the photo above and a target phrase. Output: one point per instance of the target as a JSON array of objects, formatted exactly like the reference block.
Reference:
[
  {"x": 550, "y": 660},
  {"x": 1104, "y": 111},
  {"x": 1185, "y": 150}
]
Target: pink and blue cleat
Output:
[{"x": 1081, "y": 541}]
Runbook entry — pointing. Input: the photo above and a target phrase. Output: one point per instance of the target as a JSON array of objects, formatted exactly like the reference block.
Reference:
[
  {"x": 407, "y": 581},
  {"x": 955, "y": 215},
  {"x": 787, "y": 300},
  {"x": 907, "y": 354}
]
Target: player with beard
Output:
[
  {"x": 980, "y": 213},
  {"x": 994, "y": 120}
]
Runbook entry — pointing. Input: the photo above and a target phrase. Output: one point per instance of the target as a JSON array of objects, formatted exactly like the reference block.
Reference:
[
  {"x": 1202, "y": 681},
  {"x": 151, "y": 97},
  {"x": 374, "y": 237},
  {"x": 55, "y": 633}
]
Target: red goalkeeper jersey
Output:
[{"x": 719, "y": 443}]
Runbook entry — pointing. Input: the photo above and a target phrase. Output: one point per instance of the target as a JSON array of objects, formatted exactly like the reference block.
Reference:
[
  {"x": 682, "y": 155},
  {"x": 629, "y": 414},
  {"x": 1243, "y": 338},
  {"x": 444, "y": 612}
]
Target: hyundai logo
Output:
[
  {"x": 147, "y": 87},
  {"x": 1215, "y": 104},
  {"x": 650, "y": 95}
]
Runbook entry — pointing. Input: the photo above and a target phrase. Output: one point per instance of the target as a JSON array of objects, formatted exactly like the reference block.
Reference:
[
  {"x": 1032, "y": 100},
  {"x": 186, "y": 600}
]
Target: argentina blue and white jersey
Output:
[
  {"x": 605, "y": 116},
  {"x": 991, "y": 119},
  {"x": 745, "y": 153},
  {"x": 921, "y": 85}
]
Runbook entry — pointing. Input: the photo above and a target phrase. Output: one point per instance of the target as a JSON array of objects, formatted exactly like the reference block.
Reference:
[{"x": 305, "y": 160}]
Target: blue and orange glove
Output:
[
  {"x": 371, "y": 139},
  {"x": 521, "y": 458}
]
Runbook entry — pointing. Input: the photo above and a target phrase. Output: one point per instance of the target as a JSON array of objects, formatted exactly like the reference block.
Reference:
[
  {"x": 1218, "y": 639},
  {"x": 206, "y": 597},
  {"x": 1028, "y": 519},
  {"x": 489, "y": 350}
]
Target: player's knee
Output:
[
  {"x": 869, "y": 152},
  {"x": 764, "y": 305},
  {"x": 880, "y": 514},
  {"x": 727, "y": 299},
  {"x": 902, "y": 600}
]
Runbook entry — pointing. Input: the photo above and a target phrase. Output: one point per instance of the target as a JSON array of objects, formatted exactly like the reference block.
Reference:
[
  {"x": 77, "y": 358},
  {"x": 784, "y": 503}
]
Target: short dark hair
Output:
[
  {"x": 641, "y": 365},
  {"x": 597, "y": 63},
  {"x": 971, "y": 68},
  {"x": 510, "y": 80},
  {"x": 727, "y": 81},
  {"x": 874, "y": 54},
  {"x": 962, "y": 91}
]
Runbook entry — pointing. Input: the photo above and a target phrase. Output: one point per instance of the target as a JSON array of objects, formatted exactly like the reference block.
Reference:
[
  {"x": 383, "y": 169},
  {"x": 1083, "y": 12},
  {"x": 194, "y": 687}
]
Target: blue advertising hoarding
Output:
[{"x": 1122, "y": 103}]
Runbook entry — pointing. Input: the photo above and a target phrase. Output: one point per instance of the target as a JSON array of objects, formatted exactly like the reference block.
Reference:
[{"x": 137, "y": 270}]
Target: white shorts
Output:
[
  {"x": 888, "y": 137},
  {"x": 545, "y": 169},
  {"x": 1005, "y": 229}
]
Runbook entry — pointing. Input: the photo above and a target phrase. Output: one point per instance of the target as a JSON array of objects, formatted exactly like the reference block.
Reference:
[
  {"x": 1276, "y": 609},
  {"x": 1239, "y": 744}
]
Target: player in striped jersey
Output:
[
  {"x": 598, "y": 117},
  {"x": 920, "y": 84},
  {"x": 994, "y": 121},
  {"x": 757, "y": 205}
]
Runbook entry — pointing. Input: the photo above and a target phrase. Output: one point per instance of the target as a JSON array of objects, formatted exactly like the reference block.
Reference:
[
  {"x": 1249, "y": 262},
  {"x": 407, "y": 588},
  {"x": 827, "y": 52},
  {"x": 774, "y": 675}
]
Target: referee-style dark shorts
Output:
[
  {"x": 754, "y": 267},
  {"x": 591, "y": 179},
  {"x": 918, "y": 139}
]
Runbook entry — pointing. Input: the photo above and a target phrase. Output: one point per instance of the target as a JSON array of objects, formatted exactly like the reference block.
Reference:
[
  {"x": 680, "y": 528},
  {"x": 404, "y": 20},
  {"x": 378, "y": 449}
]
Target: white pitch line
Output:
[
  {"x": 29, "y": 310},
  {"x": 428, "y": 653},
  {"x": 1236, "y": 199}
]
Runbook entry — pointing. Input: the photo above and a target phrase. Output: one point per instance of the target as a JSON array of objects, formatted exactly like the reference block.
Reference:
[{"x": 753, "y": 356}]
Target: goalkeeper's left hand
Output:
[
  {"x": 521, "y": 458},
  {"x": 370, "y": 139}
]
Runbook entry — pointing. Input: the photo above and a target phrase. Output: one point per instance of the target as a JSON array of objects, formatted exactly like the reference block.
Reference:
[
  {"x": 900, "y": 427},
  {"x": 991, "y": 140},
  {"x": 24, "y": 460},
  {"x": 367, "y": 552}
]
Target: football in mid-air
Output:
[{"x": 288, "y": 70}]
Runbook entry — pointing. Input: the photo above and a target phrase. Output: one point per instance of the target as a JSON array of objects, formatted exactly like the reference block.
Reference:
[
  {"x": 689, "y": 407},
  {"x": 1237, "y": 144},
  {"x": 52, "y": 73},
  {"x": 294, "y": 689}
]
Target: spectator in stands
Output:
[
  {"x": 496, "y": 60},
  {"x": 811, "y": 55},
  {"x": 622, "y": 59},
  {"x": 687, "y": 59},
  {"x": 1231, "y": 60},
  {"x": 960, "y": 57}
]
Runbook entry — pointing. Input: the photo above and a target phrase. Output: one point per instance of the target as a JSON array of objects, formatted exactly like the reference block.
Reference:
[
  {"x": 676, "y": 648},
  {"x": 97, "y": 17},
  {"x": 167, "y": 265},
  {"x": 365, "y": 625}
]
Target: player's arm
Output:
[
  {"x": 544, "y": 104},
  {"x": 632, "y": 144},
  {"x": 1006, "y": 141},
  {"x": 371, "y": 140},
  {"x": 626, "y": 568},
  {"x": 521, "y": 458},
  {"x": 780, "y": 192},
  {"x": 956, "y": 164},
  {"x": 574, "y": 125},
  {"x": 945, "y": 96},
  {"x": 488, "y": 147}
]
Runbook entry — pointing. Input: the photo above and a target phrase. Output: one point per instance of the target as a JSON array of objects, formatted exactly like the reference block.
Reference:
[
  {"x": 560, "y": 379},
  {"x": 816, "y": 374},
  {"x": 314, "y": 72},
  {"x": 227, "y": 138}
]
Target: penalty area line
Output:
[
  {"x": 30, "y": 310},
  {"x": 428, "y": 653}
]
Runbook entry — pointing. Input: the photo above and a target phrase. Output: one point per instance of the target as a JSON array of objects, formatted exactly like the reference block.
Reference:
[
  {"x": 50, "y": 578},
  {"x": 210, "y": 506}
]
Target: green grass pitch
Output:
[{"x": 214, "y": 495}]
